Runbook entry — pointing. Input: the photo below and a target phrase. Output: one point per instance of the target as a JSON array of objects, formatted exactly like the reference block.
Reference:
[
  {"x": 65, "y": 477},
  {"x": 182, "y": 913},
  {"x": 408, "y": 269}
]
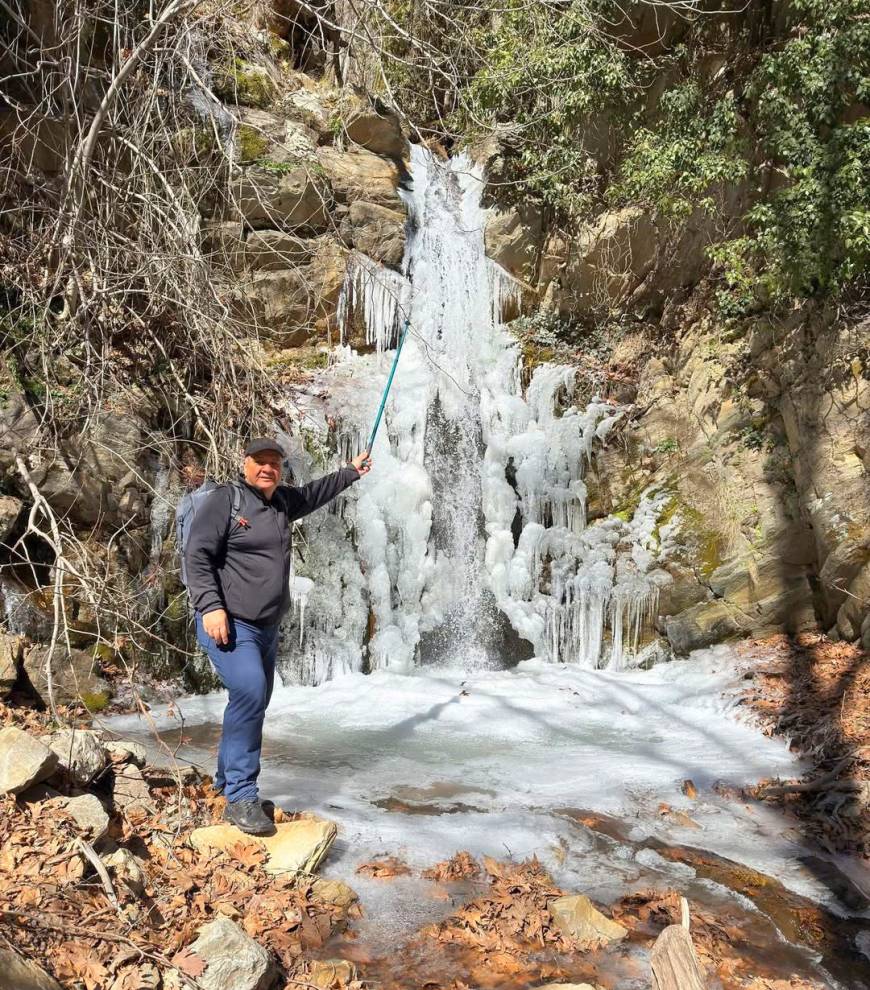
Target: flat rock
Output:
[
  {"x": 326, "y": 973},
  {"x": 567, "y": 986},
  {"x": 80, "y": 753},
  {"x": 126, "y": 751},
  {"x": 234, "y": 961},
  {"x": 23, "y": 760},
  {"x": 130, "y": 789},
  {"x": 17, "y": 973},
  {"x": 297, "y": 845},
  {"x": 578, "y": 918}
]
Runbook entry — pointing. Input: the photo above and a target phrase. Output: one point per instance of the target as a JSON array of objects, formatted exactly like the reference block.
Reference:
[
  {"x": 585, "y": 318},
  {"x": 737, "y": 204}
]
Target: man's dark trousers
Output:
[{"x": 246, "y": 665}]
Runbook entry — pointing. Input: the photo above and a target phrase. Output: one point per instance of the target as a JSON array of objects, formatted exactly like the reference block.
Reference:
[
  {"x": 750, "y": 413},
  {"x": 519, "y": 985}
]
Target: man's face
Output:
[{"x": 263, "y": 471}]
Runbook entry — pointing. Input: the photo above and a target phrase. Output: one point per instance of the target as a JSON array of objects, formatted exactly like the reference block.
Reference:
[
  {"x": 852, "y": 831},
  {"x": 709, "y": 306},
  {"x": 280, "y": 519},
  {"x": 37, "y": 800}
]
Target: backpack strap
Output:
[{"x": 235, "y": 504}]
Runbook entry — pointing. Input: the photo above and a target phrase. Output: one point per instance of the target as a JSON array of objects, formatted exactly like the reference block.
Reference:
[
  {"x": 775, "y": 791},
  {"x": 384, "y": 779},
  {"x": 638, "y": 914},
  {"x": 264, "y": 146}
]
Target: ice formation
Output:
[{"x": 470, "y": 535}]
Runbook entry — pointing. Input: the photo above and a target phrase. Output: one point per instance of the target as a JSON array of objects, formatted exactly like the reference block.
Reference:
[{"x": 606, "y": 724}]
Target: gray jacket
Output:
[{"x": 243, "y": 564}]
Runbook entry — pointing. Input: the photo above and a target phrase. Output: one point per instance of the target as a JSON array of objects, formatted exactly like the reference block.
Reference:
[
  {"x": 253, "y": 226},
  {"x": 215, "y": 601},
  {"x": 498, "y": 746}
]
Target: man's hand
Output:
[
  {"x": 362, "y": 463},
  {"x": 217, "y": 626}
]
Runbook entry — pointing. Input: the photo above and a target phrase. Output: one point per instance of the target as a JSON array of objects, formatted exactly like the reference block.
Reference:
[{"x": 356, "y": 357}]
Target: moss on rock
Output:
[
  {"x": 251, "y": 143},
  {"x": 246, "y": 84}
]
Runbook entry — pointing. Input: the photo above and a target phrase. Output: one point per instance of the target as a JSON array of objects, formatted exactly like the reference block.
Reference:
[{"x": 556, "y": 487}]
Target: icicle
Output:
[
  {"x": 380, "y": 292},
  {"x": 300, "y": 589}
]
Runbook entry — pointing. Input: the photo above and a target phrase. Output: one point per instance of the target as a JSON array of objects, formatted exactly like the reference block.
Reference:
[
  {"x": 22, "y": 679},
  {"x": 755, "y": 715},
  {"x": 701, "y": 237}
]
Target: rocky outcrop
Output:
[
  {"x": 761, "y": 443},
  {"x": 376, "y": 231},
  {"x": 90, "y": 478}
]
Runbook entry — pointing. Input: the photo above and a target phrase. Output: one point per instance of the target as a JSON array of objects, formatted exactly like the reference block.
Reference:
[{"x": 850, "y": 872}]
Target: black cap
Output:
[{"x": 259, "y": 444}]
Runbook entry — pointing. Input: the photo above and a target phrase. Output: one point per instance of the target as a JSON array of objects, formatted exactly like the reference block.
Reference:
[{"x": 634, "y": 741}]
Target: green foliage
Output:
[
  {"x": 693, "y": 147},
  {"x": 545, "y": 77},
  {"x": 811, "y": 233},
  {"x": 667, "y": 446}
]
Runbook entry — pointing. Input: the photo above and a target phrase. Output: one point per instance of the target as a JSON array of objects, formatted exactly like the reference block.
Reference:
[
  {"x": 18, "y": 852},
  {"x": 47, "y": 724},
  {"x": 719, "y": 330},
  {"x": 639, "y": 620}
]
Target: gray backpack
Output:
[{"x": 186, "y": 510}]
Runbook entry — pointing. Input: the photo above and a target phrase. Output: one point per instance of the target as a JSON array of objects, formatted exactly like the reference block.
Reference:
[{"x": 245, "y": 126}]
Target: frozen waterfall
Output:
[{"x": 468, "y": 543}]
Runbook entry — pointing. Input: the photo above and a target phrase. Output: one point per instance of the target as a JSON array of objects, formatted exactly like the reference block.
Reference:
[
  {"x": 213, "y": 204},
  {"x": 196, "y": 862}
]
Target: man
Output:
[{"x": 238, "y": 576}]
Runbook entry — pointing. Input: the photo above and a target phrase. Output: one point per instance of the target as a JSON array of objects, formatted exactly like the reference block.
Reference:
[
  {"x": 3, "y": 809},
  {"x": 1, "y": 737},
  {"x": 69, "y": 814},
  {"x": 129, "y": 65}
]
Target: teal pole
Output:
[{"x": 374, "y": 432}]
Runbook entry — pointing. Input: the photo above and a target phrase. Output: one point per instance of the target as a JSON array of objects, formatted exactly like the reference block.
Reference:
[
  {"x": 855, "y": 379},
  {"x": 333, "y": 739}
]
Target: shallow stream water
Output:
[{"x": 558, "y": 762}]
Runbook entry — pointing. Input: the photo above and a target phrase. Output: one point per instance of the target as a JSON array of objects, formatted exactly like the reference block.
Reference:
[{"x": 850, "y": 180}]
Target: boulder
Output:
[
  {"x": 360, "y": 175},
  {"x": 23, "y": 760},
  {"x": 333, "y": 893},
  {"x": 18, "y": 973},
  {"x": 79, "y": 752},
  {"x": 89, "y": 815},
  {"x": 378, "y": 130},
  {"x": 856, "y": 607},
  {"x": 11, "y": 650},
  {"x": 233, "y": 960},
  {"x": 285, "y": 198},
  {"x": 298, "y": 845},
  {"x": 19, "y": 429},
  {"x": 10, "y": 509},
  {"x": 223, "y": 244},
  {"x": 126, "y": 751},
  {"x": 73, "y": 675},
  {"x": 126, "y": 869},
  {"x": 337, "y": 897},
  {"x": 566, "y": 986},
  {"x": 376, "y": 231},
  {"x": 579, "y": 919}
]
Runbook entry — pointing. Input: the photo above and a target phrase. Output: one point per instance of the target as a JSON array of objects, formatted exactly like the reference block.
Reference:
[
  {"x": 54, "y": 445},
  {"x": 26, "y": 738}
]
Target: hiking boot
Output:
[{"x": 249, "y": 817}]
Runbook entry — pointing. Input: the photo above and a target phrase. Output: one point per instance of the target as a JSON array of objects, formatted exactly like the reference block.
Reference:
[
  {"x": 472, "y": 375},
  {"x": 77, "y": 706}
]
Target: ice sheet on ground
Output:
[{"x": 516, "y": 747}]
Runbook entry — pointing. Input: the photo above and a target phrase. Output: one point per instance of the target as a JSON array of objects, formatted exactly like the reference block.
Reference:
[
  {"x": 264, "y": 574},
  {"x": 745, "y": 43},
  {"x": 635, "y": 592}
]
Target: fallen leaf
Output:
[
  {"x": 384, "y": 869},
  {"x": 188, "y": 962}
]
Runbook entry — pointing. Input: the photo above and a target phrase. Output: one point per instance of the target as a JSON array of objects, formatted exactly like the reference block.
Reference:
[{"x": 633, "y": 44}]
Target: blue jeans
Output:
[{"x": 246, "y": 665}]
